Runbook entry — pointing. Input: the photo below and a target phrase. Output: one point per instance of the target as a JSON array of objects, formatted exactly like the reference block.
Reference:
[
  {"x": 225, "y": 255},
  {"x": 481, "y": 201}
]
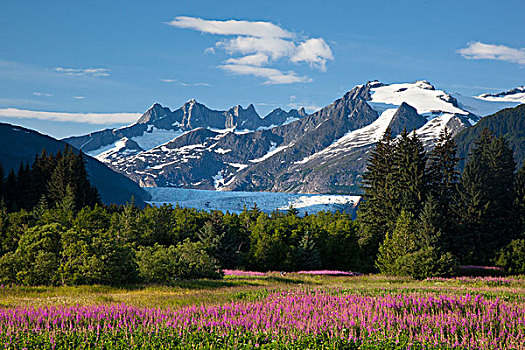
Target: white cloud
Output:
[
  {"x": 175, "y": 81},
  {"x": 257, "y": 45},
  {"x": 231, "y": 27},
  {"x": 90, "y": 118},
  {"x": 480, "y": 51},
  {"x": 88, "y": 72},
  {"x": 272, "y": 75},
  {"x": 258, "y": 59},
  {"x": 273, "y": 47},
  {"x": 195, "y": 84},
  {"x": 79, "y": 97},
  {"x": 313, "y": 51},
  {"x": 45, "y": 94}
]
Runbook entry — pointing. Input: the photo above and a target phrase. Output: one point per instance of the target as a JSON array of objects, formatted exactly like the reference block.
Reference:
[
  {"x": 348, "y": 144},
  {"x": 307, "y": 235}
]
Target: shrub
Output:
[
  {"x": 187, "y": 260},
  {"x": 512, "y": 257}
]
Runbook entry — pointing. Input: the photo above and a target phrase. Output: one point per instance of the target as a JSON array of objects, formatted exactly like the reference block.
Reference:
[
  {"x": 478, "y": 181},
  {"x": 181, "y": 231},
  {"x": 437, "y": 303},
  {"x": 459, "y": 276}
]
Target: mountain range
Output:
[
  {"x": 323, "y": 152},
  {"x": 19, "y": 145}
]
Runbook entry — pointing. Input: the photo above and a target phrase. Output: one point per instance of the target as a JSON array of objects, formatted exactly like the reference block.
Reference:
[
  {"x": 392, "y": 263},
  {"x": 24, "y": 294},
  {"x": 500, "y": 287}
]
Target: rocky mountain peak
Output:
[
  {"x": 424, "y": 84},
  {"x": 302, "y": 112},
  {"x": 154, "y": 113},
  {"x": 407, "y": 117}
]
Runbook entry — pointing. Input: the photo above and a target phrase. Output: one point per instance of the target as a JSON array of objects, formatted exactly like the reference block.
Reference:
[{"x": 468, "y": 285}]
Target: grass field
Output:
[{"x": 271, "y": 311}]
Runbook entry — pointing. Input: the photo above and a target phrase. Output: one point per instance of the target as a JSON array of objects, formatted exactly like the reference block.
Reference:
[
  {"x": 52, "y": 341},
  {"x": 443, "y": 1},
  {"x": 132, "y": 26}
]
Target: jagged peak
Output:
[
  {"x": 374, "y": 83},
  {"x": 405, "y": 106},
  {"x": 155, "y": 112},
  {"x": 424, "y": 84},
  {"x": 192, "y": 102}
]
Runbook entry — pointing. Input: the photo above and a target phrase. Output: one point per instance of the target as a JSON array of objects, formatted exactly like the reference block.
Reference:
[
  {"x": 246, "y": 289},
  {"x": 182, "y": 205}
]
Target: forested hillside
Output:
[
  {"x": 509, "y": 122},
  {"x": 20, "y": 145}
]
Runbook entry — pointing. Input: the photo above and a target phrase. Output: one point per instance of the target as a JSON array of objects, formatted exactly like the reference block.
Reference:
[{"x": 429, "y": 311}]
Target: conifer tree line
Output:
[
  {"x": 50, "y": 180},
  {"x": 421, "y": 217}
]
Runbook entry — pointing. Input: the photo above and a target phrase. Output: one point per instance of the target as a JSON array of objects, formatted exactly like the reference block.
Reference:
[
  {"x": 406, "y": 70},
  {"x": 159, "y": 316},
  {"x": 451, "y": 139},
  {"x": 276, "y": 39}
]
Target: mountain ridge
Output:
[
  {"x": 20, "y": 145},
  {"x": 323, "y": 152}
]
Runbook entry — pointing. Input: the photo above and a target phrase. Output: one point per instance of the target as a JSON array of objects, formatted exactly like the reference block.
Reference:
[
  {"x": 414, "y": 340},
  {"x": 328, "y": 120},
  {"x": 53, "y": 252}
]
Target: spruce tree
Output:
[
  {"x": 519, "y": 203},
  {"x": 402, "y": 241},
  {"x": 375, "y": 211},
  {"x": 444, "y": 178},
  {"x": 307, "y": 256},
  {"x": 410, "y": 181},
  {"x": 484, "y": 210}
]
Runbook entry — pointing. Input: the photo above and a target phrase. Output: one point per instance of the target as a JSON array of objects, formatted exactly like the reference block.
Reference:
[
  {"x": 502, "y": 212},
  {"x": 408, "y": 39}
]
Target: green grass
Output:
[{"x": 207, "y": 292}]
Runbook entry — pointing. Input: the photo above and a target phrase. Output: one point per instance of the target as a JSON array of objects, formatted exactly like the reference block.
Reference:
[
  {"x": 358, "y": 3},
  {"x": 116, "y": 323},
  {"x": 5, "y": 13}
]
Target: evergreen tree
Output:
[
  {"x": 485, "y": 220},
  {"x": 23, "y": 188},
  {"x": 70, "y": 171},
  {"x": 411, "y": 180},
  {"x": 444, "y": 178},
  {"x": 2, "y": 182},
  {"x": 413, "y": 249},
  {"x": 519, "y": 203},
  {"x": 10, "y": 191},
  {"x": 402, "y": 241},
  {"x": 375, "y": 211},
  {"x": 308, "y": 256}
]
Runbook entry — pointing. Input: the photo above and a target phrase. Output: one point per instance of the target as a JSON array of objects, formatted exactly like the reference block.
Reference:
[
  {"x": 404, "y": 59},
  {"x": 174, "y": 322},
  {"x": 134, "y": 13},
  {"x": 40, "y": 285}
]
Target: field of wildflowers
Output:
[{"x": 392, "y": 314}]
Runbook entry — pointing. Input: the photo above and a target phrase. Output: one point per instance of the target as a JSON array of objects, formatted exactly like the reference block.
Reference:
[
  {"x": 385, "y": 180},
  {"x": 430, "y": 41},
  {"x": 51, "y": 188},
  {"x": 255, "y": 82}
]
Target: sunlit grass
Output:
[{"x": 231, "y": 288}]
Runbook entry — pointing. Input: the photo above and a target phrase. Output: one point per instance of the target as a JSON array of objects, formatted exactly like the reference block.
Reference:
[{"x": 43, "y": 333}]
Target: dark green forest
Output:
[{"x": 420, "y": 217}]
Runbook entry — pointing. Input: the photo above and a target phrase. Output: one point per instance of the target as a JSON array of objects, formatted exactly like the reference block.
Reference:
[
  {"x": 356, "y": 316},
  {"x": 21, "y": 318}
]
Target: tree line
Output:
[
  {"x": 419, "y": 217},
  {"x": 55, "y": 231}
]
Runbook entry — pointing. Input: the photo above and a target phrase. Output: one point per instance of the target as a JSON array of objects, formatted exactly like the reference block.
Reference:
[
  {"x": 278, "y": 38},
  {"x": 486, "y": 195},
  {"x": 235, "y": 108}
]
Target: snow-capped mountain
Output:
[
  {"x": 324, "y": 152},
  {"x": 514, "y": 95},
  {"x": 160, "y": 125}
]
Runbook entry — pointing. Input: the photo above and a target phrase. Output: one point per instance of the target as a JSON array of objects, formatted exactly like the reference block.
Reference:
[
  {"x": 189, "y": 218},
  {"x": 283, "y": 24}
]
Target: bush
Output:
[
  {"x": 512, "y": 257},
  {"x": 187, "y": 260},
  {"x": 97, "y": 257},
  {"x": 36, "y": 259}
]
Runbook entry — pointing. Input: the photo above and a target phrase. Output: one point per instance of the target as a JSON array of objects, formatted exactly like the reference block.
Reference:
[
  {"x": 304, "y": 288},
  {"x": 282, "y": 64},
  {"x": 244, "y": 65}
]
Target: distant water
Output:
[{"x": 235, "y": 201}]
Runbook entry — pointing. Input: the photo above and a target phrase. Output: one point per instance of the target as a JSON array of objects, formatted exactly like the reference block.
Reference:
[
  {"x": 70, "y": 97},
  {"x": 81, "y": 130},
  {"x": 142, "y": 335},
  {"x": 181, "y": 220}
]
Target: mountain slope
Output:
[
  {"x": 159, "y": 125},
  {"x": 509, "y": 122},
  {"x": 324, "y": 152},
  {"x": 19, "y": 144}
]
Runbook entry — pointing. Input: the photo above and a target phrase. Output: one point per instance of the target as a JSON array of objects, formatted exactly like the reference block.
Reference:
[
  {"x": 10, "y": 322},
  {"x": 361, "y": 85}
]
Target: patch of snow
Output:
[
  {"x": 420, "y": 95},
  {"x": 305, "y": 201},
  {"x": 357, "y": 138},
  {"x": 482, "y": 106},
  {"x": 431, "y": 130},
  {"x": 290, "y": 120},
  {"x": 515, "y": 95},
  {"x": 110, "y": 149},
  {"x": 242, "y": 131},
  {"x": 266, "y": 127},
  {"x": 218, "y": 180},
  {"x": 156, "y": 137},
  {"x": 271, "y": 151},
  {"x": 222, "y": 151},
  {"x": 222, "y": 131},
  {"x": 238, "y": 166}
]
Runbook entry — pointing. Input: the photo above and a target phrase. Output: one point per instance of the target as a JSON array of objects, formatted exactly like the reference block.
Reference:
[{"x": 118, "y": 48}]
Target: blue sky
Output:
[{"x": 97, "y": 64}]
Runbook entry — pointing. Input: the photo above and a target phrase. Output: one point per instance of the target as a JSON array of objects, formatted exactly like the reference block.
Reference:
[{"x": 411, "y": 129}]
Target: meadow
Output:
[{"x": 270, "y": 311}]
